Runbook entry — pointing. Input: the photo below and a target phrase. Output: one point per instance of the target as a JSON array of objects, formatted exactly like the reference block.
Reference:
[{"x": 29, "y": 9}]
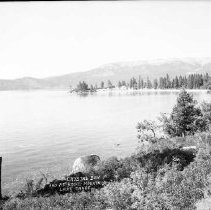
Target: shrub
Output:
[
  {"x": 116, "y": 169},
  {"x": 156, "y": 158},
  {"x": 206, "y": 110},
  {"x": 118, "y": 195},
  {"x": 169, "y": 189},
  {"x": 145, "y": 194},
  {"x": 69, "y": 201},
  {"x": 108, "y": 168}
]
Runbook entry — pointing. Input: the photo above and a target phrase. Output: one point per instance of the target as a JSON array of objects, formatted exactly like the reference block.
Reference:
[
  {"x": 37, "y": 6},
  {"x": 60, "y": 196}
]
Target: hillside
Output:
[{"x": 113, "y": 72}]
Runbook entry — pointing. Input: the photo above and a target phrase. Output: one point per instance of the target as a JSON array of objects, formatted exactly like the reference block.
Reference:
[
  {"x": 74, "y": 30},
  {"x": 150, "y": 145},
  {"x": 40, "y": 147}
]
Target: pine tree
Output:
[
  {"x": 190, "y": 81},
  {"x": 155, "y": 83},
  {"x": 102, "y": 84},
  {"x": 142, "y": 83},
  {"x": 185, "y": 118},
  {"x": 161, "y": 83},
  {"x": 135, "y": 85},
  {"x": 131, "y": 83},
  {"x": 139, "y": 82},
  {"x": 123, "y": 83},
  {"x": 82, "y": 86},
  {"x": 168, "y": 82},
  {"x": 208, "y": 84},
  {"x": 92, "y": 89},
  {"x": 185, "y": 81},
  {"x": 149, "y": 84},
  {"x": 180, "y": 82},
  {"x": 119, "y": 84},
  {"x": 206, "y": 78},
  {"x": 109, "y": 84},
  {"x": 176, "y": 83}
]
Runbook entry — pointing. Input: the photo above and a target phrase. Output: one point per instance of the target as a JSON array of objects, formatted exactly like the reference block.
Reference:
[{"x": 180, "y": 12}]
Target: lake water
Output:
[{"x": 47, "y": 129}]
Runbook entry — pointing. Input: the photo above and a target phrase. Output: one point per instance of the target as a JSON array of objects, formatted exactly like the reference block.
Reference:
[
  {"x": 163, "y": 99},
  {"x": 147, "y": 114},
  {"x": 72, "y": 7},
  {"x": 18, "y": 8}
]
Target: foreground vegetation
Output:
[{"x": 170, "y": 170}]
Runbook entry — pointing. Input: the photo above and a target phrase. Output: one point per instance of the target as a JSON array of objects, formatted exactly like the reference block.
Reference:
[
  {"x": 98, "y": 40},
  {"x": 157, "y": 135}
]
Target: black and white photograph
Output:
[{"x": 105, "y": 105}]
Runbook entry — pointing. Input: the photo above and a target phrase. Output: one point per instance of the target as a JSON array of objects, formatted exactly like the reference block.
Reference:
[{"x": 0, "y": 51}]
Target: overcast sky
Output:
[{"x": 45, "y": 39}]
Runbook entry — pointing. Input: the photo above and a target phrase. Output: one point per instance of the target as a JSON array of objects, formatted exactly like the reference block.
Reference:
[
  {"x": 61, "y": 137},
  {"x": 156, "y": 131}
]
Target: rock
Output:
[
  {"x": 85, "y": 163},
  {"x": 191, "y": 149}
]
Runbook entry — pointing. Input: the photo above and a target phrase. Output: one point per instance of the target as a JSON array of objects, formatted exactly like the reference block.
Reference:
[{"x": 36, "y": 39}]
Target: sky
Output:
[{"x": 41, "y": 39}]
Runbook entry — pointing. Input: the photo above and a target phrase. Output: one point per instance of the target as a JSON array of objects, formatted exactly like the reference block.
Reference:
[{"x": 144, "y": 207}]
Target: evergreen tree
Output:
[
  {"x": 119, "y": 84},
  {"x": 185, "y": 81},
  {"x": 208, "y": 84},
  {"x": 139, "y": 82},
  {"x": 155, "y": 83},
  {"x": 149, "y": 84},
  {"x": 124, "y": 83},
  {"x": 109, "y": 84},
  {"x": 200, "y": 81},
  {"x": 163, "y": 83},
  {"x": 92, "y": 89},
  {"x": 142, "y": 83},
  {"x": 82, "y": 86},
  {"x": 133, "y": 83},
  {"x": 176, "y": 83},
  {"x": 180, "y": 82},
  {"x": 168, "y": 82},
  {"x": 185, "y": 118},
  {"x": 102, "y": 84},
  {"x": 206, "y": 78},
  {"x": 173, "y": 84},
  {"x": 190, "y": 81}
]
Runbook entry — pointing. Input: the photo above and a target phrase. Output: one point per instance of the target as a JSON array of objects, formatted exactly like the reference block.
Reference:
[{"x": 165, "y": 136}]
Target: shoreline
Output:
[
  {"x": 121, "y": 90},
  {"x": 149, "y": 90},
  {"x": 132, "y": 91}
]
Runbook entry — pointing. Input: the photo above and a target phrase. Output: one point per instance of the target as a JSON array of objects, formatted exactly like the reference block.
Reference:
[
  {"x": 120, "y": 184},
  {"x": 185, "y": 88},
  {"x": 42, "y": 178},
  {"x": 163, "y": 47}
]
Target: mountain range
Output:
[{"x": 113, "y": 72}]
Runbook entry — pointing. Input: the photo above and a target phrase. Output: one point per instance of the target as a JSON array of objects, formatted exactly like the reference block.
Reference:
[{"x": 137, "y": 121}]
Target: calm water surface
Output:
[{"x": 43, "y": 129}]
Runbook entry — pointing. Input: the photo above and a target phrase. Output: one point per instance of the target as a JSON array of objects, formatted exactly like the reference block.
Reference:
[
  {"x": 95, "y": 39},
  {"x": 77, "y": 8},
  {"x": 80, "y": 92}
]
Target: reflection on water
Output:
[{"x": 44, "y": 129}]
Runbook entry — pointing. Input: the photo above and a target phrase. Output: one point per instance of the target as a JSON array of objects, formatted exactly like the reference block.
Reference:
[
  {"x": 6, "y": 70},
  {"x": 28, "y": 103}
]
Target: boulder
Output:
[
  {"x": 85, "y": 163},
  {"x": 191, "y": 149}
]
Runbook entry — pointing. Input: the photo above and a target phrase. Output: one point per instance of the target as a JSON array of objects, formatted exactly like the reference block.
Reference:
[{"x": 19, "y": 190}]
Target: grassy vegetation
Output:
[{"x": 162, "y": 174}]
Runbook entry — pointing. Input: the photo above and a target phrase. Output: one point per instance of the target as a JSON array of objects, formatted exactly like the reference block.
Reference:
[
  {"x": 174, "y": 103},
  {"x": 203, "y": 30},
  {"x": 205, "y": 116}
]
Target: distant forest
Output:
[{"x": 192, "y": 81}]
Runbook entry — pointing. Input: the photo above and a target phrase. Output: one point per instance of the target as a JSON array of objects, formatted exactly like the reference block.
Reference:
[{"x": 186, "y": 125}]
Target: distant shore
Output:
[
  {"x": 107, "y": 90},
  {"x": 147, "y": 90},
  {"x": 122, "y": 91}
]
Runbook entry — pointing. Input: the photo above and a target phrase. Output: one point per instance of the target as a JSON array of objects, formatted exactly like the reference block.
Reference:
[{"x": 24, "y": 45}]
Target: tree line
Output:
[{"x": 192, "y": 81}]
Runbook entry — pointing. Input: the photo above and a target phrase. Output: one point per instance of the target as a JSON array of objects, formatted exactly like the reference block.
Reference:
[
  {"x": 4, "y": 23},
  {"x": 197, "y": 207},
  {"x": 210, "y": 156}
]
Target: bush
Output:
[
  {"x": 118, "y": 195},
  {"x": 114, "y": 169},
  {"x": 69, "y": 201},
  {"x": 206, "y": 110},
  {"x": 157, "y": 157}
]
